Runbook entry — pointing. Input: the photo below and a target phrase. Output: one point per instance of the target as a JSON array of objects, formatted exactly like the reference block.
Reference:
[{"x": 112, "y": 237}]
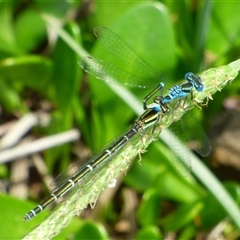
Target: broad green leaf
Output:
[
  {"x": 148, "y": 42},
  {"x": 30, "y": 30},
  {"x": 149, "y": 232},
  {"x": 224, "y": 28},
  {"x": 27, "y": 71},
  {"x": 12, "y": 212},
  {"x": 150, "y": 208},
  {"x": 8, "y": 44},
  {"x": 184, "y": 215},
  {"x": 91, "y": 230},
  {"x": 10, "y": 98}
]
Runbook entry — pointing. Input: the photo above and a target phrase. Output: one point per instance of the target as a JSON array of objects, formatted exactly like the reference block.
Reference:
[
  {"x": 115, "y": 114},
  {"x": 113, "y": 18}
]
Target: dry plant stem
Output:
[
  {"x": 20, "y": 128},
  {"x": 18, "y": 176},
  {"x": 88, "y": 192},
  {"x": 39, "y": 145},
  {"x": 42, "y": 169},
  {"x": 4, "y": 128}
]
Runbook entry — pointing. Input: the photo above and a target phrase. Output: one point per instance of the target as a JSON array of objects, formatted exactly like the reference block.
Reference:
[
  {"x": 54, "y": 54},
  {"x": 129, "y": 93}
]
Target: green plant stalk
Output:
[{"x": 89, "y": 189}]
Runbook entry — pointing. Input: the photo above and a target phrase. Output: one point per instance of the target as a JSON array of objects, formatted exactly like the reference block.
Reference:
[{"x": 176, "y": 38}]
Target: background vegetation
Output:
[{"x": 39, "y": 74}]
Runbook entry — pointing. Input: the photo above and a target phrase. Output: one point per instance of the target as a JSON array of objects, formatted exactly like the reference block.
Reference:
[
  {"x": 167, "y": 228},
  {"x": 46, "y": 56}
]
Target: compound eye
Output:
[
  {"x": 200, "y": 87},
  {"x": 195, "y": 80}
]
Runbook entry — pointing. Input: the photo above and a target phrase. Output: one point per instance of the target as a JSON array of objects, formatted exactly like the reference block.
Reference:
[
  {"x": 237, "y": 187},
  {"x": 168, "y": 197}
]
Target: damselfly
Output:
[{"x": 110, "y": 73}]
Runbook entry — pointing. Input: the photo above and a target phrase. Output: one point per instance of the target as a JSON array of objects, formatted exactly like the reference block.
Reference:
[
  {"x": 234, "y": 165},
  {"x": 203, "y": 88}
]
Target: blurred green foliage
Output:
[{"x": 174, "y": 37}]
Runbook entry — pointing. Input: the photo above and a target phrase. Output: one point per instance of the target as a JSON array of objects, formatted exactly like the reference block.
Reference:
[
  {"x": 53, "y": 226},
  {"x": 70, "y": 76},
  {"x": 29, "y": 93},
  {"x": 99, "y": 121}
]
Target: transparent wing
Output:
[
  {"x": 195, "y": 138},
  {"x": 119, "y": 48},
  {"x": 178, "y": 154},
  {"x": 192, "y": 134},
  {"x": 110, "y": 73}
]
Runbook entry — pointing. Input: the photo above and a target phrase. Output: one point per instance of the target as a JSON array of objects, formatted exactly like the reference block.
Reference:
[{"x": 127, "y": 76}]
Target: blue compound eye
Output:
[
  {"x": 188, "y": 75},
  {"x": 195, "y": 80},
  {"x": 200, "y": 88}
]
